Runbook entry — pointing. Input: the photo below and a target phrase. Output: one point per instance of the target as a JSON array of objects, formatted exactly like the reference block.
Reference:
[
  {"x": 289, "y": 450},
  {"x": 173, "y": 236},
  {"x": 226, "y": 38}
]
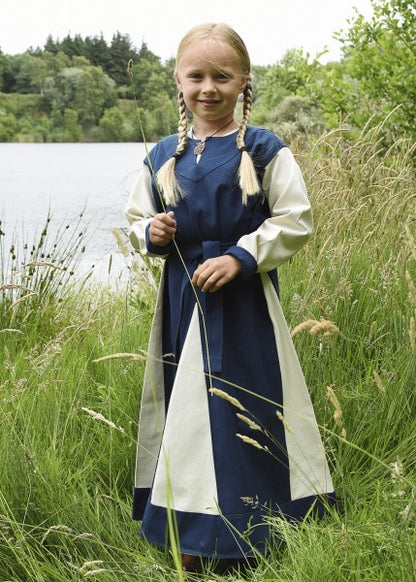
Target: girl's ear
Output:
[{"x": 178, "y": 82}]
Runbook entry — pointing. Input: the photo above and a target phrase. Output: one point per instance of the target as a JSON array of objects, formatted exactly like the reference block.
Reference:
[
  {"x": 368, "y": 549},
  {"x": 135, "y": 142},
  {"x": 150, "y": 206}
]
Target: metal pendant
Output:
[{"x": 199, "y": 148}]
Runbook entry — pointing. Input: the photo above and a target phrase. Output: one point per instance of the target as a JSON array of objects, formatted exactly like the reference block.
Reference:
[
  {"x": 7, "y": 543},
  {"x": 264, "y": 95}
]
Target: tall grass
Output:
[{"x": 68, "y": 431}]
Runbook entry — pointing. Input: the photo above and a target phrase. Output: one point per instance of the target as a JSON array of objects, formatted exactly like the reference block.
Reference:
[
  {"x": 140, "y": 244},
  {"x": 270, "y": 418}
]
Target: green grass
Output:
[{"x": 67, "y": 477}]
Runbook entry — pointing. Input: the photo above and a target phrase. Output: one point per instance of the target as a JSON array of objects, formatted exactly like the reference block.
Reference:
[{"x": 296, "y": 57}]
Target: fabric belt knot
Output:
[{"x": 211, "y": 318}]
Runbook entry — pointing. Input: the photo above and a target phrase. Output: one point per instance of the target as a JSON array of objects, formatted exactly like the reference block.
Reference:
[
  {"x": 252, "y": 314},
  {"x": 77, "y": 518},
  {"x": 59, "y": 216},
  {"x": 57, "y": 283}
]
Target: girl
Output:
[{"x": 227, "y": 433}]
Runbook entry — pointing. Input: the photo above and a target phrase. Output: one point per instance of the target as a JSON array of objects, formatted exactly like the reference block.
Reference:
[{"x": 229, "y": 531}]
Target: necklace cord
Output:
[{"x": 200, "y": 146}]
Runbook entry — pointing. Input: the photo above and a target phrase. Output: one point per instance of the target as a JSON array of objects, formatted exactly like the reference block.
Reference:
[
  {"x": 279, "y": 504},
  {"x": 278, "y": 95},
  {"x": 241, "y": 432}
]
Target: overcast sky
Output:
[{"x": 268, "y": 27}]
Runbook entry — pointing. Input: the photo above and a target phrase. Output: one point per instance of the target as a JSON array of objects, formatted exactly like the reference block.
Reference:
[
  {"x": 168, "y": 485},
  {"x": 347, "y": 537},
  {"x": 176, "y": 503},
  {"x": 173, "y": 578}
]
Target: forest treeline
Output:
[{"x": 78, "y": 89}]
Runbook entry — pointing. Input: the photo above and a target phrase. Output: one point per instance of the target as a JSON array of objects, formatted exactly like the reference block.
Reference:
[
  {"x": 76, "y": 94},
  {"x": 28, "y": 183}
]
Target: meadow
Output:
[{"x": 69, "y": 415}]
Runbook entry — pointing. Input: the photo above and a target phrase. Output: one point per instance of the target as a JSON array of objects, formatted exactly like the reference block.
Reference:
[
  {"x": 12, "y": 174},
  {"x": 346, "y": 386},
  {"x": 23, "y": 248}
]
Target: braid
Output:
[
  {"x": 166, "y": 175},
  {"x": 249, "y": 183}
]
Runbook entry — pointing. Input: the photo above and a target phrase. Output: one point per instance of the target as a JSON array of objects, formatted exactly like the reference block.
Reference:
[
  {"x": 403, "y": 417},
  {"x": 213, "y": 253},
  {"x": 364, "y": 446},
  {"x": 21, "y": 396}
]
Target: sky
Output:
[{"x": 268, "y": 27}]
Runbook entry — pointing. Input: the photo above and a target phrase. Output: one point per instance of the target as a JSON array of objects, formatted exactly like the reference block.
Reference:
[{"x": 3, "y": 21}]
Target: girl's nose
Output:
[{"x": 208, "y": 85}]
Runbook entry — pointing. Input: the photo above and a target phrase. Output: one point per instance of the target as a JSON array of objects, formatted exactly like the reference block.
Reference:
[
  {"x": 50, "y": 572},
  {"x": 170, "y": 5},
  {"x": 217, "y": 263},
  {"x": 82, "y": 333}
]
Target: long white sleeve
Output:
[
  {"x": 290, "y": 225},
  {"x": 140, "y": 210}
]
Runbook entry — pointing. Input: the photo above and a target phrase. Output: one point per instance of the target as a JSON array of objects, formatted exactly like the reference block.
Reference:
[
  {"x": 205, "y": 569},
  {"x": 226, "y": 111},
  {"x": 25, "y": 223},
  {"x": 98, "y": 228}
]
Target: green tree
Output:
[
  {"x": 8, "y": 126},
  {"x": 273, "y": 84},
  {"x": 88, "y": 91},
  {"x": 114, "y": 127},
  {"x": 121, "y": 52},
  {"x": 97, "y": 51},
  {"x": 377, "y": 73}
]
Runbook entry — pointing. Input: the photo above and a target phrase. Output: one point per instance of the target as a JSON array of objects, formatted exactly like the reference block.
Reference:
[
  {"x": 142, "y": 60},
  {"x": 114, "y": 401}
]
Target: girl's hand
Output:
[
  {"x": 214, "y": 273},
  {"x": 162, "y": 229}
]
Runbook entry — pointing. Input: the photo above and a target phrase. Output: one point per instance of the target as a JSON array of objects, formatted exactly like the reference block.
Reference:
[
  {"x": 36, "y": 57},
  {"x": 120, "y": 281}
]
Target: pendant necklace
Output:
[{"x": 200, "y": 147}]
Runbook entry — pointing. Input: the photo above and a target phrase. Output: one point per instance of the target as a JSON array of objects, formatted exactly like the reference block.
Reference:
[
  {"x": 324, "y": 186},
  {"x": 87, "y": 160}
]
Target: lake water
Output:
[{"x": 66, "y": 180}]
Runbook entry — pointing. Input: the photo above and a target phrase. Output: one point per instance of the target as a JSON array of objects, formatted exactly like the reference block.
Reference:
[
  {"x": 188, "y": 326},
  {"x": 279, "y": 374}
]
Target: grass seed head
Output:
[
  {"x": 99, "y": 416},
  {"x": 308, "y": 324},
  {"x": 412, "y": 333},
  {"x": 250, "y": 441},
  {"x": 324, "y": 326},
  {"x": 228, "y": 397},
  {"x": 253, "y": 425},
  {"x": 335, "y": 402},
  {"x": 283, "y": 421}
]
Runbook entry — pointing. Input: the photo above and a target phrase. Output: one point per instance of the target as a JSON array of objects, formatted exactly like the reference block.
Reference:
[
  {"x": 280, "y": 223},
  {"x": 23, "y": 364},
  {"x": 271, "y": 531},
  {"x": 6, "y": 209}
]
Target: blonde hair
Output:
[{"x": 248, "y": 180}]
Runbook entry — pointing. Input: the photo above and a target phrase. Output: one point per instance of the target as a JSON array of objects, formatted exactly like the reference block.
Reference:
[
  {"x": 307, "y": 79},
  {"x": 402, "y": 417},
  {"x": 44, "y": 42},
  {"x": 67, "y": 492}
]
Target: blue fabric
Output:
[
  {"x": 235, "y": 535},
  {"x": 251, "y": 483}
]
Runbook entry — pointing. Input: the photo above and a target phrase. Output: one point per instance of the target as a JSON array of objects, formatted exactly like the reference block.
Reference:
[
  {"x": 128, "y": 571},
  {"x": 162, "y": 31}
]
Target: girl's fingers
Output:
[
  {"x": 162, "y": 229},
  {"x": 215, "y": 273}
]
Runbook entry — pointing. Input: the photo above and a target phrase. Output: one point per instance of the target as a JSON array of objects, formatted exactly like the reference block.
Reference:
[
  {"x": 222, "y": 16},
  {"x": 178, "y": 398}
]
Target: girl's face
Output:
[{"x": 210, "y": 77}]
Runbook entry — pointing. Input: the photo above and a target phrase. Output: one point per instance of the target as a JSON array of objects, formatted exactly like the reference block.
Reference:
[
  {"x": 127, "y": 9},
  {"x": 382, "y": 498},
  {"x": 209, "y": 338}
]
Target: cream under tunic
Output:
[{"x": 194, "y": 453}]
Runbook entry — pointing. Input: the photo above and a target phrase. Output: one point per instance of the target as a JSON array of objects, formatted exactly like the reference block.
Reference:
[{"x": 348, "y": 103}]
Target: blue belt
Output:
[{"x": 211, "y": 303}]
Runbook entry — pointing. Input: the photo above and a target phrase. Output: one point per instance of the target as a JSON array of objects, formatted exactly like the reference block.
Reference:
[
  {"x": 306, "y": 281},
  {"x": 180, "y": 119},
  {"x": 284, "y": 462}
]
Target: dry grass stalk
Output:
[
  {"x": 88, "y": 565},
  {"x": 308, "y": 324},
  {"x": 283, "y": 421},
  {"x": 94, "y": 572},
  {"x": 253, "y": 425},
  {"x": 120, "y": 356},
  {"x": 23, "y": 298},
  {"x": 412, "y": 333},
  {"x": 314, "y": 326},
  {"x": 99, "y": 416},
  {"x": 252, "y": 442},
  {"x": 43, "y": 264},
  {"x": 411, "y": 242},
  {"x": 324, "y": 326},
  {"x": 335, "y": 402},
  {"x": 412, "y": 288},
  {"x": 11, "y": 330},
  {"x": 227, "y": 396},
  {"x": 407, "y": 512},
  {"x": 396, "y": 470},
  {"x": 344, "y": 536},
  {"x": 378, "y": 381},
  {"x": 54, "y": 528},
  {"x": 8, "y": 286}
]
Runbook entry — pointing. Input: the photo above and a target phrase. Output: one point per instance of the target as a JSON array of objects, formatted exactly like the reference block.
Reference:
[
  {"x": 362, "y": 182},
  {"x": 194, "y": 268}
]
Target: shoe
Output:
[{"x": 191, "y": 563}]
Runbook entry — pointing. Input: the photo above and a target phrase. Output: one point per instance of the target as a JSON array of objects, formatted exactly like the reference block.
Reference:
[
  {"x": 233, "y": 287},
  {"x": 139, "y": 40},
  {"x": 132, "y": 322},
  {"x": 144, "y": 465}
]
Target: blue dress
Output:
[{"x": 227, "y": 433}]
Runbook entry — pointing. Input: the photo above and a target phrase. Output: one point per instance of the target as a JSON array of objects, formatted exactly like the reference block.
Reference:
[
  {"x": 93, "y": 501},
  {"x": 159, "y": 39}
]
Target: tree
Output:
[
  {"x": 377, "y": 74},
  {"x": 88, "y": 91},
  {"x": 114, "y": 127},
  {"x": 8, "y": 126},
  {"x": 97, "y": 51},
  {"x": 121, "y": 51}
]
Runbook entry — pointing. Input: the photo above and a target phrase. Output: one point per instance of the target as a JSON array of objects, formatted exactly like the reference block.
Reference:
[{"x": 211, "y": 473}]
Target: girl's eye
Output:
[{"x": 223, "y": 76}]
